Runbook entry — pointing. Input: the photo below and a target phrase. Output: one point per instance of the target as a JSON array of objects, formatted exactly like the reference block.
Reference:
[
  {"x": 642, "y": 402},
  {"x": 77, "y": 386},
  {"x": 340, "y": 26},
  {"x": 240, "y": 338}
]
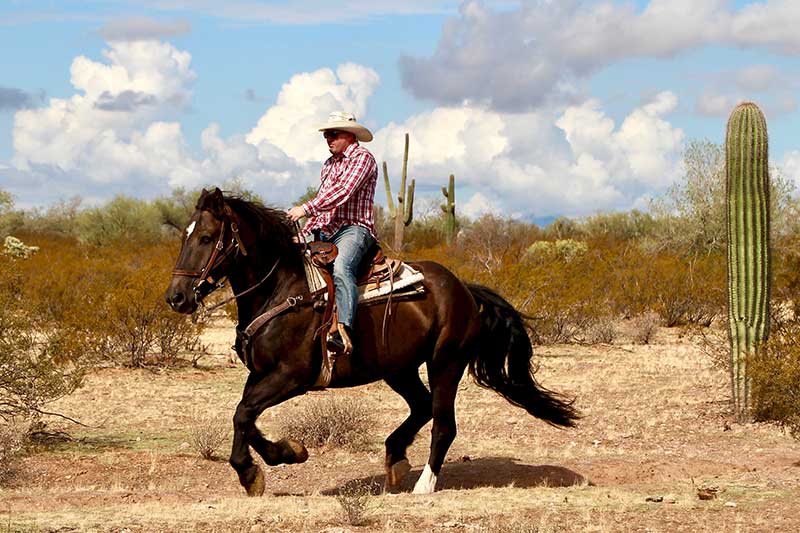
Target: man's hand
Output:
[{"x": 296, "y": 213}]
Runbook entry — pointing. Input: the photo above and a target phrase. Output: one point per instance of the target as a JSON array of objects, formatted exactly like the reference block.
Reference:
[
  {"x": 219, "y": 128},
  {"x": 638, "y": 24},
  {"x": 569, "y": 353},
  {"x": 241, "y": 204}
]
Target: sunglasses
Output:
[{"x": 331, "y": 134}]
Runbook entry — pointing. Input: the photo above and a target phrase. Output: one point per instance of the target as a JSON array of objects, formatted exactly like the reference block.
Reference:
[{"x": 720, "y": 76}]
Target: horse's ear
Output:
[
  {"x": 217, "y": 201},
  {"x": 201, "y": 199},
  {"x": 212, "y": 201}
]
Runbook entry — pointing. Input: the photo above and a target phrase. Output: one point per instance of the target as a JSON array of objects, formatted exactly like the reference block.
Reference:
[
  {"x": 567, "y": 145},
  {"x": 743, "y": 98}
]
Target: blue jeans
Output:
[{"x": 352, "y": 242}]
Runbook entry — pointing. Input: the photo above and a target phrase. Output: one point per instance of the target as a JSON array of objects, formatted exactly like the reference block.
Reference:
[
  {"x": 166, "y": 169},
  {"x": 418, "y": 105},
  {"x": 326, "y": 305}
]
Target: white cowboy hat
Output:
[{"x": 342, "y": 120}]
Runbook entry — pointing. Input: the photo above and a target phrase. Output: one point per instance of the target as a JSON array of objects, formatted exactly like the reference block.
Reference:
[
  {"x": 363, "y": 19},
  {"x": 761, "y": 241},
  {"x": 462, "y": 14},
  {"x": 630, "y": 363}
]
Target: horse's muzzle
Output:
[{"x": 178, "y": 300}]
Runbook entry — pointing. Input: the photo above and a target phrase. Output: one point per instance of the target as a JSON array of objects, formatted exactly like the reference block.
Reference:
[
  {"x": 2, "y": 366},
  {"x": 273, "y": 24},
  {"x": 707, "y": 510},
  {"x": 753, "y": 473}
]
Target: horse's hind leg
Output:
[
  {"x": 444, "y": 385},
  {"x": 408, "y": 385},
  {"x": 261, "y": 392}
]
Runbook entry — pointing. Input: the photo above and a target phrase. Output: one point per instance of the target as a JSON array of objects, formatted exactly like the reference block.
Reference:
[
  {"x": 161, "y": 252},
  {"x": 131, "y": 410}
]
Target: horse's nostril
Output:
[{"x": 175, "y": 300}]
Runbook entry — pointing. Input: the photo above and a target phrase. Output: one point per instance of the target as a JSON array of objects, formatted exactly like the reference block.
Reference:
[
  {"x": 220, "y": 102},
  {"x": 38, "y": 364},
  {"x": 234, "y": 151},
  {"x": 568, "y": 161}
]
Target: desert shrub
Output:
[
  {"x": 207, "y": 433},
  {"x": 6, "y": 201},
  {"x": 644, "y": 327},
  {"x": 9, "y": 219},
  {"x": 58, "y": 220},
  {"x": 331, "y": 421},
  {"x": 602, "y": 330},
  {"x": 566, "y": 297},
  {"x": 775, "y": 371},
  {"x": 562, "y": 228},
  {"x": 111, "y": 298},
  {"x": 686, "y": 291},
  {"x": 12, "y": 444},
  {"x": 569, "y": 285},
  {"x": 356, "y": 500},
  {"x": 492, "y": 242},
  {"x": 682, "y": 290},
  {"x": 775, "y": 375},
  {"x": 139, "y": 321},
  {"x": 39, "y": 361}
]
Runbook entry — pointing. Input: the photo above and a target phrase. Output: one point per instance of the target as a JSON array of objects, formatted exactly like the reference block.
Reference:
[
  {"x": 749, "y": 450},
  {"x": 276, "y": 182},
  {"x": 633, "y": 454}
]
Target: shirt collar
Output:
[
  {"x": 349, "y": 150},
  {"x": 346, "y": 154}
]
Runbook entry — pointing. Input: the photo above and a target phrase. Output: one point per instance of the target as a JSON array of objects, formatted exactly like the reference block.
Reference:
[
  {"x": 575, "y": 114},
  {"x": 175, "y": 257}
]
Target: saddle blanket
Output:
[{"x": 405, "y": 282}]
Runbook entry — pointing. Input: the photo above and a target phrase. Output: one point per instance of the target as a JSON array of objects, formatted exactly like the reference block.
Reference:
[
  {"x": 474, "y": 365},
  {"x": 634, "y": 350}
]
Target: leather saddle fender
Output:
[{"x": 323, "y": 253}]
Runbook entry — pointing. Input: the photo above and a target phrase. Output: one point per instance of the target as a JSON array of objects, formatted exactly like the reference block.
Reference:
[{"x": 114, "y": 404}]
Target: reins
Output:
[{"x": 246, "y": 291}]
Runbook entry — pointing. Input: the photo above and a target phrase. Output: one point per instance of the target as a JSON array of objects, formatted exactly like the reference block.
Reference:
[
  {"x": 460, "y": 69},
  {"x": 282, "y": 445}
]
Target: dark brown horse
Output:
[{"x": 450, "y": 327}]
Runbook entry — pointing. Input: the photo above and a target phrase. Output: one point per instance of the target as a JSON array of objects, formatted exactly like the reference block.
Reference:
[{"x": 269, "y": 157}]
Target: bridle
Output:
[{"x": 205, "y": 276}]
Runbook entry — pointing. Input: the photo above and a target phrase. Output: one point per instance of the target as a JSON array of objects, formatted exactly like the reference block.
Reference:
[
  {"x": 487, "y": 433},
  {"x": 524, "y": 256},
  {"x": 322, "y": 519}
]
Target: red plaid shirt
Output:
[{"x": 346, "y": 194}]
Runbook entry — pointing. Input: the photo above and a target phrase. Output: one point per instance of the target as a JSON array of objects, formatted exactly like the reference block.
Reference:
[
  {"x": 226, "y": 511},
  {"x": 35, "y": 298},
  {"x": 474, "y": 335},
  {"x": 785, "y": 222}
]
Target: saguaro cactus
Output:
[
  {"x": 449, "y": 208},
  {"x": 747, "y": 186},
  {"x": 403, "y": 214}
]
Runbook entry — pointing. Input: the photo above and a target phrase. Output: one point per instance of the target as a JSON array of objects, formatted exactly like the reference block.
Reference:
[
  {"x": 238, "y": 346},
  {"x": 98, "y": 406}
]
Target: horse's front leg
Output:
[{"x": 260, "y": 392}]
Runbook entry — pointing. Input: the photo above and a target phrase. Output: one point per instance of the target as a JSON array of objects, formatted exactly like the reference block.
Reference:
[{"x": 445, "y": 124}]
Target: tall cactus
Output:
[
  {"x": 403, "y": 214},
  {"x": 747, "y": 188},
  {"x": 449, "y": 208}
]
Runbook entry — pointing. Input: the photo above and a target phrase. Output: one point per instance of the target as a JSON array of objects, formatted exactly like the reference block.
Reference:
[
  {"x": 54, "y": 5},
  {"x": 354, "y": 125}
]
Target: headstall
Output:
[{"x": 218, "y": 256}]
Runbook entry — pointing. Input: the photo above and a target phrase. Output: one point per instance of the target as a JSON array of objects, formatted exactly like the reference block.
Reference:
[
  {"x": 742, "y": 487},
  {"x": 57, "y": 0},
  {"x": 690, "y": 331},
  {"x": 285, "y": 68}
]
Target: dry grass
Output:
[{"x": 654, "y": 425}]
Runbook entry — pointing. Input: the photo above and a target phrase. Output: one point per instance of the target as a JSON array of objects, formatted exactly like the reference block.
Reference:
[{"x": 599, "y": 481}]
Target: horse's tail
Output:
[{"x": 503, "y": 363}]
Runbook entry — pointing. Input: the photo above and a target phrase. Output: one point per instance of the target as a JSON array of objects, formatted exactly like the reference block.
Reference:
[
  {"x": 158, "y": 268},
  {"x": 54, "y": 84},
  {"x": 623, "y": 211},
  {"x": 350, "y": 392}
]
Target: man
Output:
[{"x": 342, "y": 213}]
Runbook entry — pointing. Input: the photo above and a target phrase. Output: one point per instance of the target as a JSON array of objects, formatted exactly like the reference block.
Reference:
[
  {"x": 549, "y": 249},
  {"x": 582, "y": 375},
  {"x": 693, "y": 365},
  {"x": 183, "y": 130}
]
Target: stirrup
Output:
[{"x": 339, "y": 341}]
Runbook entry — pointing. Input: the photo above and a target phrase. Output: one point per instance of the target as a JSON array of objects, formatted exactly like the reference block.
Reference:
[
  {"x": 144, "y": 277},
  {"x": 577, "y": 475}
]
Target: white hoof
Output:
[{"x": 426, "y": 483}]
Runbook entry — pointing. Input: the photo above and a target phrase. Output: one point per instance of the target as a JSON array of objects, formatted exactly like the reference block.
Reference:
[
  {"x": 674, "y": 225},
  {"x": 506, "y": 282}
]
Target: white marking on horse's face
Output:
[
  {"x": 426, "y": 483},
  {"x": 190, "y": 229}
]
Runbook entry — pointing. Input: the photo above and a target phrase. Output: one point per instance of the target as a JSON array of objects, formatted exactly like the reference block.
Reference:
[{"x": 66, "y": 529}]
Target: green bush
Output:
[
  {"x": 617, "y": 227},
  {"x": 122, "y": 220}
]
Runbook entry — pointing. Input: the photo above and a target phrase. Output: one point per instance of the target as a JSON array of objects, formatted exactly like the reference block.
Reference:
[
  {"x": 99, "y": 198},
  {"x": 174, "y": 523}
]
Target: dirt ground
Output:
[{"x": 656, "y": 433}]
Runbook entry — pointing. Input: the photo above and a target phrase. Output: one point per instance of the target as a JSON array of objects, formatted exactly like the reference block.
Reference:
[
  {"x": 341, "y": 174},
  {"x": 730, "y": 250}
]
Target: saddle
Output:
[
  {"x": 375, "y": 267},
  {"x": 378, "y": 277}
]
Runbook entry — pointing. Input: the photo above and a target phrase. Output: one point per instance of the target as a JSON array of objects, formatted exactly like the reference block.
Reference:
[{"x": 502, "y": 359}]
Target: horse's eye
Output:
[{"x": 205, "y": 239}]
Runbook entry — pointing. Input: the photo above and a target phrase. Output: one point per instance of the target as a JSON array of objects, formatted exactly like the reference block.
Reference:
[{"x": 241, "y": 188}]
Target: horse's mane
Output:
[{"x": 274, "y": 231}]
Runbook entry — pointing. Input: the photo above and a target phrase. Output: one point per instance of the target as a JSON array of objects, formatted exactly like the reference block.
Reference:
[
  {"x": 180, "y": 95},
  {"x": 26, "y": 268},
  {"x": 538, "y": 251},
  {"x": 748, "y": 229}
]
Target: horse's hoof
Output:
[
  {"x": 256, "y": 487},
  {"x": 397, "y": 472},
  {"x": 298, "y": 452}
]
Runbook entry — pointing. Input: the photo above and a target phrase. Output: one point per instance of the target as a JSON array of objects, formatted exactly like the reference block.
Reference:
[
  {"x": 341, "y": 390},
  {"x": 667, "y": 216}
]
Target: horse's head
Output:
[{"x": 210, "y": 242}]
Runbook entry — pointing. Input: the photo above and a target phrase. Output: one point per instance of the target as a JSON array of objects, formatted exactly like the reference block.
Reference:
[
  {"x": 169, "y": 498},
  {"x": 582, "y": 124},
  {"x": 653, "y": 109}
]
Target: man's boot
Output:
[{"x": 339, "y": 341}]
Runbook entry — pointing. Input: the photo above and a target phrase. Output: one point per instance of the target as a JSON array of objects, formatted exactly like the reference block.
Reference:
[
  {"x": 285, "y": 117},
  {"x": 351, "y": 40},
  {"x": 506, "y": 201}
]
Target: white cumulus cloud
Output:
[
  {"x": 115, "y": 135},
  {"x": 540, "y": 52},
  {"x": 305, "y": 101},
  {"x": 535, "y": 164},
  {"x": 111, "y": 136},
  {"x": 791, "y": 166}
]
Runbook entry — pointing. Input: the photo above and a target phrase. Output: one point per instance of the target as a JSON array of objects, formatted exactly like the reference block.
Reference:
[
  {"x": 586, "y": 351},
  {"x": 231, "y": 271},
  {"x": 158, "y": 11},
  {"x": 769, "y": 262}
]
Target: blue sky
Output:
[{"x": 539, "y": 108}]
